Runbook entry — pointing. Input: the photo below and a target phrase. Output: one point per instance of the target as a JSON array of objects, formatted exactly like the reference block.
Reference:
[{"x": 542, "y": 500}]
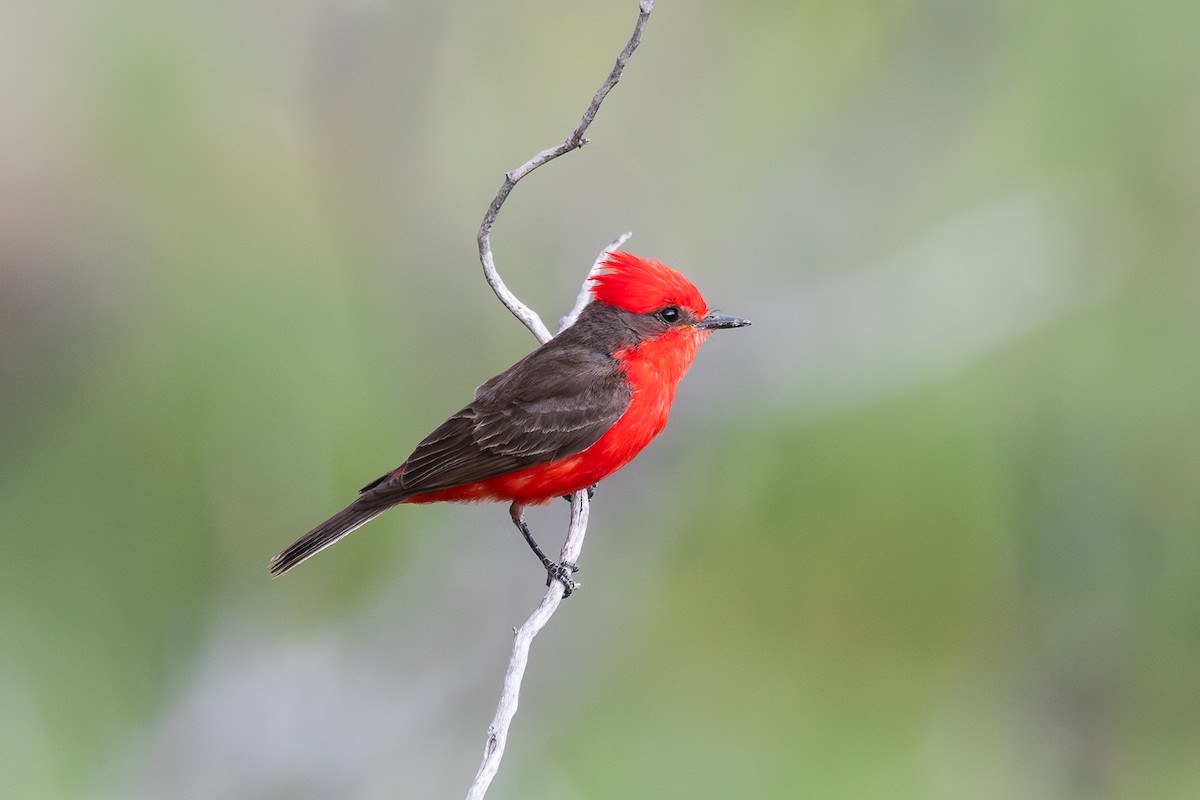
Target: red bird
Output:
[{"x": 563, "y": 418}]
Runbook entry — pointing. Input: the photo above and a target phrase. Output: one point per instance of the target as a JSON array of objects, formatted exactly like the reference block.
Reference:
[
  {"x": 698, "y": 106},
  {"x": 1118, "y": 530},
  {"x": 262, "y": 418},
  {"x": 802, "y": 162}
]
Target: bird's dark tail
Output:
[{"x": 350, "y": 518}]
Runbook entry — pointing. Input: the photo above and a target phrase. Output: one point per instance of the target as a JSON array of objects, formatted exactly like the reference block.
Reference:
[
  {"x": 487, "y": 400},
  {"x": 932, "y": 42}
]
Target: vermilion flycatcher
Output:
[{"x": 563, "y": 418}]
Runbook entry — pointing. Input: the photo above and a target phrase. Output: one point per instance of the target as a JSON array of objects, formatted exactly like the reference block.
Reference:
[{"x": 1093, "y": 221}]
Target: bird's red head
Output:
[{"x": 641, "y": 286}]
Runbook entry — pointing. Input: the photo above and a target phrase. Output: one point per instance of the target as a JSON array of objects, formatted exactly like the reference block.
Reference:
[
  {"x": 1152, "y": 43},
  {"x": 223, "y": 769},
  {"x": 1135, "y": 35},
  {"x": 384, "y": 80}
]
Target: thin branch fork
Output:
[{"x": 497, "y": 735}]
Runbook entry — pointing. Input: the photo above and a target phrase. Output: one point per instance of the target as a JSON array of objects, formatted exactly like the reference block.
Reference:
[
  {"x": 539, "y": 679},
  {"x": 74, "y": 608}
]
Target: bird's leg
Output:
[
  {"x": 517, "y": 512},
  {"x": 558, "y": 572}
]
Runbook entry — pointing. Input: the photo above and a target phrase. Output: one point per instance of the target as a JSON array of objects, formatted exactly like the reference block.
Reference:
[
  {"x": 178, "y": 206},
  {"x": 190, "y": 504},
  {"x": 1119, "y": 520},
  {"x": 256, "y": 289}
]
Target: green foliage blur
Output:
[{"x": 929, "y": 529}]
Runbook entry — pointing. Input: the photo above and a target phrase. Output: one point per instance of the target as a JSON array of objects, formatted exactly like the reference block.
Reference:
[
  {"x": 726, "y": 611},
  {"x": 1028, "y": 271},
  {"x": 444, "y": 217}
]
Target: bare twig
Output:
[
  {"x": 497, "y": 736},
  {"x": 576, "y": 140}
]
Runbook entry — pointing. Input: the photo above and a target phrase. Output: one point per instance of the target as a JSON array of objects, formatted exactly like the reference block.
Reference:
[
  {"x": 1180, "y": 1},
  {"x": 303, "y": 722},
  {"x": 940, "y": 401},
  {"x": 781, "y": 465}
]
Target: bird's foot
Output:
[
  {"x": 591, "y": 490},
  {"x": 562, "y": 573}
]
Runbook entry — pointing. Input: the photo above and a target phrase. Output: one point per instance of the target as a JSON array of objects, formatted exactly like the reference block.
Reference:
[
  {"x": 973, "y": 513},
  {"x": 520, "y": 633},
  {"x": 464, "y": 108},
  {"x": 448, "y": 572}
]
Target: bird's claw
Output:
[
  {"x": 591, "y": 490},
  {"x": 562, "y": 573}
]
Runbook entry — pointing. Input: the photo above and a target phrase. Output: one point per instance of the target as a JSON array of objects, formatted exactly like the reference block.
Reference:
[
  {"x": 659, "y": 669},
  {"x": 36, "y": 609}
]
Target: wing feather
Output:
[{"x": 556, "y": 402}]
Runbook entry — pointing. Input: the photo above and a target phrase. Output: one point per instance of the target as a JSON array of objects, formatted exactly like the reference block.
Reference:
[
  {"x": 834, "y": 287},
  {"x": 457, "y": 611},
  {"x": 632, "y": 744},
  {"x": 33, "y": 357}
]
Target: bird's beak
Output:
[{"x": 714, "y": 321}]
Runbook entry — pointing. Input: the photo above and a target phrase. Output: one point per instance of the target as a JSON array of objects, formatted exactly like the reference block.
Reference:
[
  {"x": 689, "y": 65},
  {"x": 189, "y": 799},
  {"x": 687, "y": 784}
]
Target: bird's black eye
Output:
[{"x": 670, "y": 314}]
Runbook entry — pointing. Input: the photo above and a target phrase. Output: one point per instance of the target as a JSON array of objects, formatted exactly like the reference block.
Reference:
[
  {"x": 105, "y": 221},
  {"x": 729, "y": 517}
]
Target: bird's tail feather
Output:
[{"x": 350, "y": 518}]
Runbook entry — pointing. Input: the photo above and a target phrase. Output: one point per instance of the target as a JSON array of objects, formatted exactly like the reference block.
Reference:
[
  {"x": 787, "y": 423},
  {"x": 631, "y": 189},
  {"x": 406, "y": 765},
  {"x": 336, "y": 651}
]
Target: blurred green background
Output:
[{"x": 929, "y": 529}]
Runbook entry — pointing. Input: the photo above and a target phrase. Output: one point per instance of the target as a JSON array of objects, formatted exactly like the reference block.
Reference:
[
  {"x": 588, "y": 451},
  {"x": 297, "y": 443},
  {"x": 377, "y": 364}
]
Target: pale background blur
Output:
[{"x": 929, "y": 529}]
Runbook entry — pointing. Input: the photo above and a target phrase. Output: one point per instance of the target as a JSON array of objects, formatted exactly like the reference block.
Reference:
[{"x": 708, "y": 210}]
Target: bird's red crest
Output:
[{"x": 640, "y": 286}]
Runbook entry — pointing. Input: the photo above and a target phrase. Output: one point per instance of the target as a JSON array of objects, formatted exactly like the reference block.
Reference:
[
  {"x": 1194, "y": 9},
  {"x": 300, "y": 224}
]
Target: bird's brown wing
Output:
[{"x": 557, "y": 401}]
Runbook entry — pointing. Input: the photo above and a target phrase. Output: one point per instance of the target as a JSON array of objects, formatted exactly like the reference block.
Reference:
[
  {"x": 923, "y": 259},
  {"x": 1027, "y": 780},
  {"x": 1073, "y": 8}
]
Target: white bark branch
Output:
[{"x": 497, "y": 735}]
